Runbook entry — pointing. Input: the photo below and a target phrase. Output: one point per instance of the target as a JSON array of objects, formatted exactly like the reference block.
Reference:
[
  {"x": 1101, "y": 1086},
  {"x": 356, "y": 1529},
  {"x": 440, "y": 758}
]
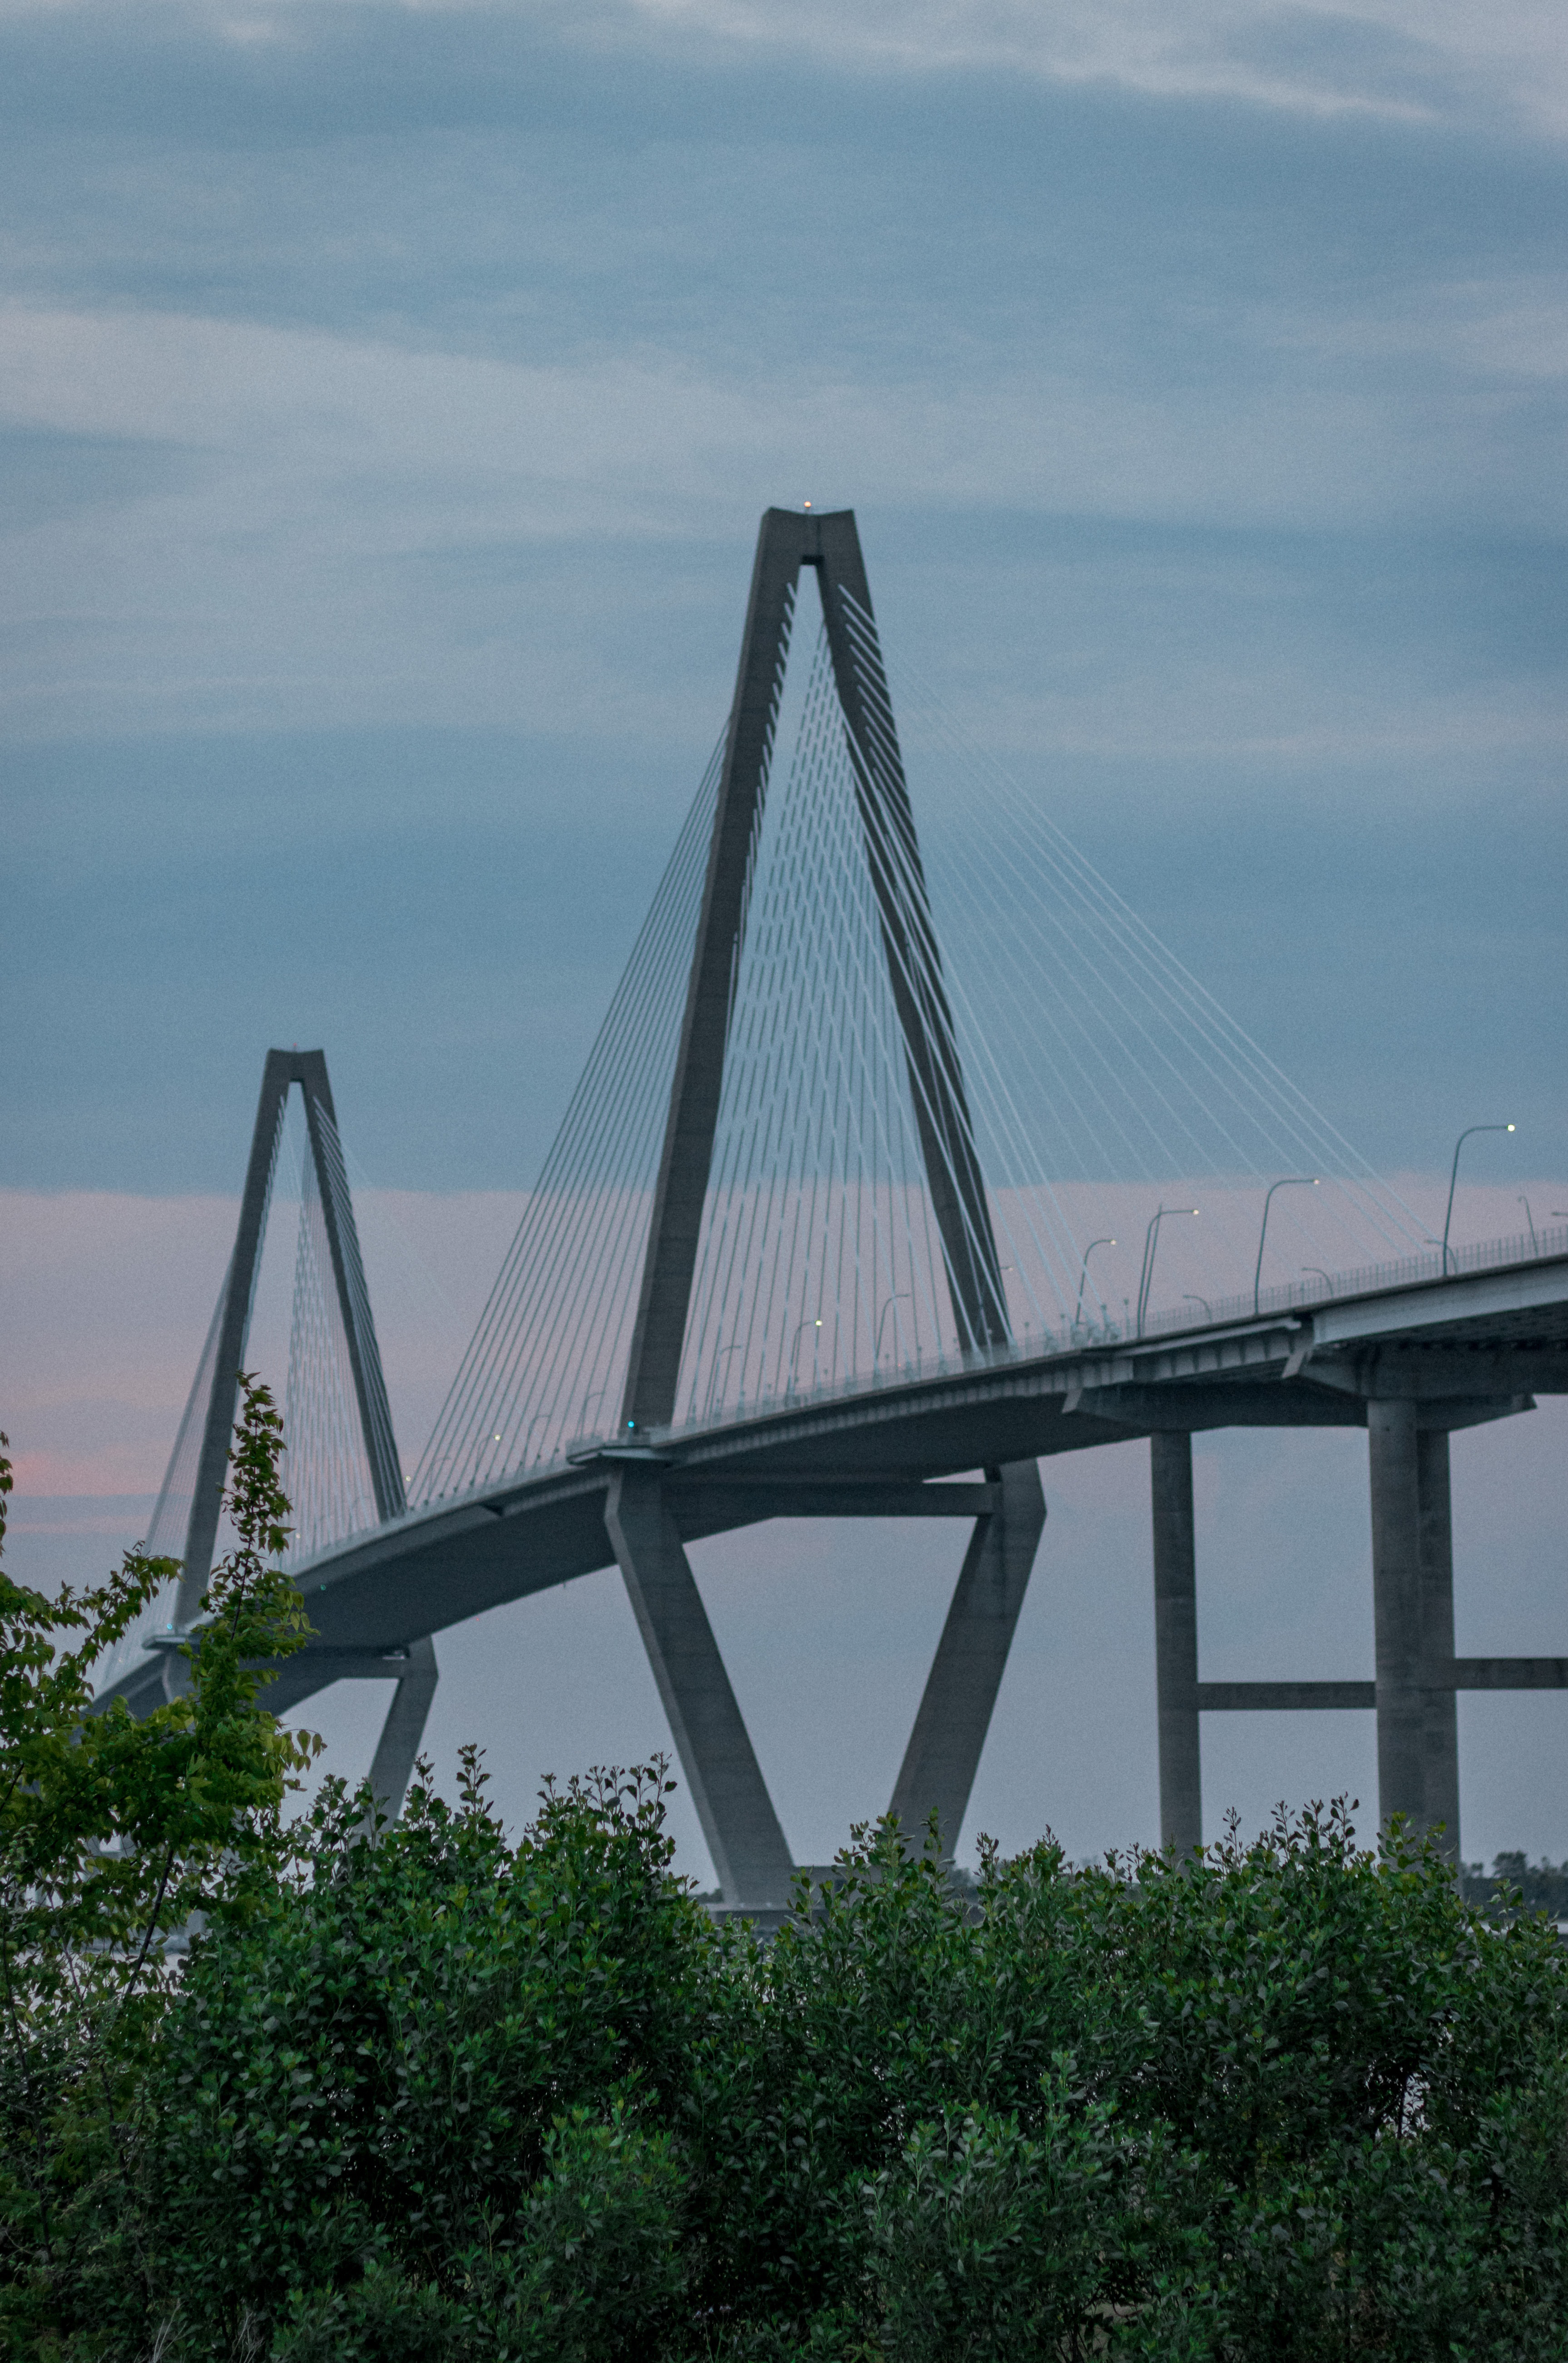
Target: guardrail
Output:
[
  {"x": 1294, "y": 1296},
  {"x": 1374, "y": 1279}
]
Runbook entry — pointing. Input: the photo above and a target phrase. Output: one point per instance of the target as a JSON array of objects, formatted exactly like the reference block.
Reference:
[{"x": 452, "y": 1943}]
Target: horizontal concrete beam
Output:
[
  {"x": 1307, "y": 1402},
  {"x": 1462, "y": 1674},
  {"x": 1429, "y": 1373},
  {"x": 706, "y": 1497},
  {"x": 1272, "y": 1698},
  {"x": 1510, "y": 1673},
  {"x": 1241, "y": 1404}
]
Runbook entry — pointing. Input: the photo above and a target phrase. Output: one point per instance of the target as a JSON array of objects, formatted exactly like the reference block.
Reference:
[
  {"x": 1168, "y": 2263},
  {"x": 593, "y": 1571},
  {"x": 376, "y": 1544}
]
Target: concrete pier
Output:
[
  {"x": 1175, "y": 1639},
  {"x": 1441, "y": 1716},
  {"x": 1398, "y": 1602}
]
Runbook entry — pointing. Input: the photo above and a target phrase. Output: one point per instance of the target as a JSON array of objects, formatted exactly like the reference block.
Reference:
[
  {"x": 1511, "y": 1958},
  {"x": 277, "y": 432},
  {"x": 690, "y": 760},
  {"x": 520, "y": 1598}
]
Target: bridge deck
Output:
[{"x": 1471, "y": 1347}]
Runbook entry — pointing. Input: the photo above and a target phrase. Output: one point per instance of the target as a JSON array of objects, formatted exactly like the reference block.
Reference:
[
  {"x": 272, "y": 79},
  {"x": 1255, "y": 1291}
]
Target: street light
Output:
[
  {"x": 903, "y": 1296},
  {"x": 1151, "y": 1242},
  {"x": 1286, "y": 1182},
  {"x": 718, "y": 1361},
  {"x": 1530, "y": 1220},
  {"x": 1082, "y": 1276},
  {"x": 1188, "y": 1298},
  {"x": 794, "y": 1351},
  {"x": 1318, "y": 1273},
  {"x": 1453, "y": 1176}
]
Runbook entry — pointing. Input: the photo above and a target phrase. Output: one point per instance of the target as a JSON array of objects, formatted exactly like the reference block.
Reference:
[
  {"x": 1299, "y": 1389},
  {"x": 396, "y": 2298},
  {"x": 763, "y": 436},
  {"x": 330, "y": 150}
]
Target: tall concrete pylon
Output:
[
  {"x": 283, "y": 1071},
  {"x": 743, "y": 1831}
]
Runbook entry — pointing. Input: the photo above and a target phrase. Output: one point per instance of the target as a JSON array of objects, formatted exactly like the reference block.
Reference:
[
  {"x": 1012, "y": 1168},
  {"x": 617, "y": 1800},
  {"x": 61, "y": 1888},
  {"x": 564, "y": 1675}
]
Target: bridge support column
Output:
[
  {"x": 944, "y": 1749},
  {"x": 1399, "y": 1590},
  {"x": 404, "y": 1729},
  {"x": 1441, "y": 1719},
  {"x": 1175, "y": 1639},
  {"x": 749, "y": 1849}
]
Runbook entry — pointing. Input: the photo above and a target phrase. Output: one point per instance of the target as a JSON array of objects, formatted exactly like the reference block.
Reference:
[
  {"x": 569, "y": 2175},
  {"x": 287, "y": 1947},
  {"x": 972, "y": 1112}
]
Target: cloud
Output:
[
  {"x": 1397, "y": 59},
  {"x": 1402, "y": 60},
  {"x": 322, "y": 552}
]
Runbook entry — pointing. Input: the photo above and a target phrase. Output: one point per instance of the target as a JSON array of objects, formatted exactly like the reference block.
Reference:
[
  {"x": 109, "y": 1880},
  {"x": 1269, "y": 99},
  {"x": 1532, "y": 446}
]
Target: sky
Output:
[{"x": 388, "y": 394}]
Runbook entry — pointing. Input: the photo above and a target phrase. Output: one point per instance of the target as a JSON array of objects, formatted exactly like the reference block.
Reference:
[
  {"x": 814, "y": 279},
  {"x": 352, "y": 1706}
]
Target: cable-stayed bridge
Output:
[{"x": 818, "y": 1237}]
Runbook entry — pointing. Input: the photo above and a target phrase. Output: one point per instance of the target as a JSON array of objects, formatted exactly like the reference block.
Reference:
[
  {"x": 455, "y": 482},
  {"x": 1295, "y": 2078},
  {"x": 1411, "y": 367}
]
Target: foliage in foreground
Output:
[
  {"x": 115, "y": 1837},
  {"x": 420, "y": 2094},
  {"x": 1514, "y": 1884}
]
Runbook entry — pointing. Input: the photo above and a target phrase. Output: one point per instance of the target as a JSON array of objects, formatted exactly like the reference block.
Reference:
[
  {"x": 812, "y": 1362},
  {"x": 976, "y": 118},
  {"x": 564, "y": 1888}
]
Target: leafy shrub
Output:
[
  {"x": 424, "y": 2047},
  {"x": 113, "y": 1834},
  {"x": 418, "y": 2092}
]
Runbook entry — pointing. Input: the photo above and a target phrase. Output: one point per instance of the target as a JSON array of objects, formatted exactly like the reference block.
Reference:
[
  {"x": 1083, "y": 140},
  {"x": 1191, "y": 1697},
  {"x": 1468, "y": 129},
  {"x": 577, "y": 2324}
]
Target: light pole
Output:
[
  {"x": 1151, "y": 1242},
  {"x": 719, "y": 1359},
  {"x": 1453, "y": 1175},
  {"x": 1188, "y": 1298},
  {"x": 794, "y": 1350},
  {"x": 1318, "y": 1273},
  {"x": 1082, "y": 1276},
  {"x": 1286, "y": 1182},
  {"x": 1530, "y": 1220},
  {"x": 903, "y": 1296}
]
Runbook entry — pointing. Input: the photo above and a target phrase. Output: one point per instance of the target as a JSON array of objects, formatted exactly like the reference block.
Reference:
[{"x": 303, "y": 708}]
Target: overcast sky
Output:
[{"x": 387, "y": 398}]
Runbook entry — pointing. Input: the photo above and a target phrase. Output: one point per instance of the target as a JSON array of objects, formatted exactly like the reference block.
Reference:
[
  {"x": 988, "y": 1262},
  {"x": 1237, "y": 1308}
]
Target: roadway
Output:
[{"x": 1467, "y": 1349}]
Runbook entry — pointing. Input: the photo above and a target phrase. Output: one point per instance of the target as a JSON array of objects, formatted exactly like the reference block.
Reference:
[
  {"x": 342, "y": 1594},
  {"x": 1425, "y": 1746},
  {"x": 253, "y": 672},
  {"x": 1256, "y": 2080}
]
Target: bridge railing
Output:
[
  {"x": 1036, "y": 1345},
  {"x": 1371, "y": 1279},
  {"x": 1293, "y": 1297}
]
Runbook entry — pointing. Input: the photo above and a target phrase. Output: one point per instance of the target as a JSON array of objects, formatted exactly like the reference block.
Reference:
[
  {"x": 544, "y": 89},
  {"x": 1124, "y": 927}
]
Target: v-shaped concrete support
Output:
[
  {"x": 400, "y": 1734},
  {"x": 749, "y": 1848},
  {"x": 944, "y": 1750}
]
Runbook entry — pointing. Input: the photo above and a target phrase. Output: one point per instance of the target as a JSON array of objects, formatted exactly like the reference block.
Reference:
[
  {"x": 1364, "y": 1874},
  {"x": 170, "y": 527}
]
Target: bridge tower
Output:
[
  {"x": 215, "y": 1399},
  {"x": 742, "y": 1829}
]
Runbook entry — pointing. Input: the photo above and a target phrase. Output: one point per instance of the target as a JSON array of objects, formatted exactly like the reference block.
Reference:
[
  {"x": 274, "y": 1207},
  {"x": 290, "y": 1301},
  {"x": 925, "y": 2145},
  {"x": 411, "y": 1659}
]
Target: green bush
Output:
[
  {"x": 400, "y": 2053},
  {"x": 417, "y": 2092},
  {"x": 114, "y": 1833},
  {"x": 1293, "y": 2099}
]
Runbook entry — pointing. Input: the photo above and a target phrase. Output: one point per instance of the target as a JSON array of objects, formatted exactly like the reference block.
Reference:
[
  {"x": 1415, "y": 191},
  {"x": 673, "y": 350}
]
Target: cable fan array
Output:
[
  {"x": 820, "y": 1255},
  {"x": 1102, "y": 1077},
  {"x": 326, "y": 1471},
  {"x": 172, "y": 1512},
  {"x": 548, "y": 1360},
  {"x": 1052, "y": 1044}
]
